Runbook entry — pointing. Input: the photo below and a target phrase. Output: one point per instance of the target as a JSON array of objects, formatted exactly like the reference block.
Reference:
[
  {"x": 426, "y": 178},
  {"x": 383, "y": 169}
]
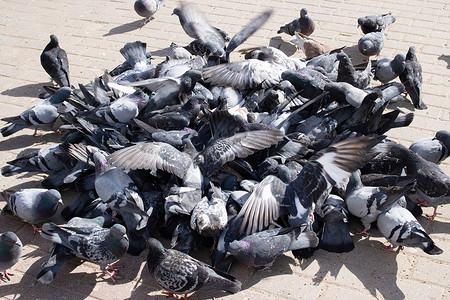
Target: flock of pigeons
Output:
[{"x": 252, "y": 158}]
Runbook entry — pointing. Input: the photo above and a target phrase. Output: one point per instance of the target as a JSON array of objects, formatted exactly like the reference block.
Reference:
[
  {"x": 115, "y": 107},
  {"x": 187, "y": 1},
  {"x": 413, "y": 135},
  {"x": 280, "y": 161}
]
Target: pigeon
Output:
[
  {"x": 102, "y": 246},
  {"x": 10, "y": 252},
  {"x": 209, "y": 216},
  {"x": 304, "y": 25},
  {"x": 147, "y": 8},
  {"x": 435, "y": 149},
  {"x": 43, "y": 160},
  {"x": 411, "y": 78},
  {"x": 179, "y": 273},
  {"x": 59, "y": 254},
  {"x": 33, "y": 205},
  {"x": 168, "y": 90},
  {"x": 55, "y": 63},
  {"x": 432, "y": 183},
  {"x": 120, "y": 111},
  {"x": 375, "y": 23},
  {"x": 41, "y": 115},
  {"x": 347, "y": 73},
  {"x": 196, "y": 26},
  {"x": 401, "y": 228},
  {"x": 371, "y": 43},
  {"x": 335, "y": 233},
  {"x": 387, "y": 69},
  {"x": 310, "y": 46},
  {"x": 137, "y": 65},
  {"x": 367, "y": 202},
  {"x": 261, "y": 249},
  {"x": 345, "y": 92}
]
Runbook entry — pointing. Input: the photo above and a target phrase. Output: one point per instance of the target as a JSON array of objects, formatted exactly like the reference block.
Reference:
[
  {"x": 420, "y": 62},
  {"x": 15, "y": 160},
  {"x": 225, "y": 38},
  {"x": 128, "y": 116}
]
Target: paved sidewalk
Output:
[{"x": 92, "y": 32}]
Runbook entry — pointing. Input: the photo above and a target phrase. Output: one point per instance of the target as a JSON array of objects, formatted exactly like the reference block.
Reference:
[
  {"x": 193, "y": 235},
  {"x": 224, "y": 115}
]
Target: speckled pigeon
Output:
[
  {"x": 102, "y": 246},
  {"x": 179, "y": 273},
  {"x": 374, "y": 23}
]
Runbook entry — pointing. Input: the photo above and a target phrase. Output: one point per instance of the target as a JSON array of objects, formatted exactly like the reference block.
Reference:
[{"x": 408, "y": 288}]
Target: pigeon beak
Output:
[{"x": 61, "y": 202}]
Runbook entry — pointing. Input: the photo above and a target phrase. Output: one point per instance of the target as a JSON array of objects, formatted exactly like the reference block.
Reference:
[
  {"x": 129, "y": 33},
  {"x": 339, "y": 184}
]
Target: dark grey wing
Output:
[
  {"x": 241, "y": 75},
  {"x": 247, "y": 31},
  {"x": 151, "y": 156},
  {"x": 196, "y": 26},
  {"x": 241, "y": 144},
  {"x": 63, "y": 67}
]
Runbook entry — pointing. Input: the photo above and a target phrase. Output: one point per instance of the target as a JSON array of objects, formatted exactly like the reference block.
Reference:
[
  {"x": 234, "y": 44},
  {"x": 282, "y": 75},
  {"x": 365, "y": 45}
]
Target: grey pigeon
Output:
[
  {"x": 147, "y": 8},
  {"x": 120, "y": 111},
  {"x": 374, "y": 23},
  {"x": 367, "y": 202},
  {"x": 343, "y": 91},
  {"x": 261, "y": 249},
  {"x": 178, "y": 52},
  {"x": 348, "y": 73},
  {"x": 10, "y": 252},
  {"x": 169, "y": 90},
  {"x": 45, "y": 160},
  {"x": 304, "y": 25},
  {"x": 55, "y": 63},
  {"x": 137, "y": 65},
  {"x": 33, "y": 205},
  {"x": 179, "y": 273},
  {"x": 196, "y": 26},
  {"x": 387, "y": 69},
  {"x": 371, "y": 43},
  {"x": 401, "y": 228},
  {"x": 411, "y": 78},
  {"x": 102, "y": 246},
  {"x": 432, "y": 182},
  {"x": 41, "y": 115},
  {"x": 435, "y": 149}
]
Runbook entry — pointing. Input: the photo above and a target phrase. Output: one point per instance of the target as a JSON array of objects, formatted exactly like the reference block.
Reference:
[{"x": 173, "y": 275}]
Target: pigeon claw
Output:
[
  {"x": 113, "y": 275},
  {"x": 435, "y": 213},
  {"x": 170, "y": 295},
  {"x": 388, "y": 248},
  {"x": 5, "y": 275},
  {"x": 364, "y": 231},
  {"x": 36, "y": 229}
]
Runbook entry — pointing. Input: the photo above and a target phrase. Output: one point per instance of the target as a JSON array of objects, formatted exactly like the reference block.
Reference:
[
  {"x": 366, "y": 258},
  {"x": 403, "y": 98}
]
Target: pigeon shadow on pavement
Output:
[
  {"x": 26, "y": 140},
  {"x": 445, "y": 58},
  {"x": 124, "y": 28},
  {"x": 288, "y": 48},
  {"x": 28, "y": 90}
]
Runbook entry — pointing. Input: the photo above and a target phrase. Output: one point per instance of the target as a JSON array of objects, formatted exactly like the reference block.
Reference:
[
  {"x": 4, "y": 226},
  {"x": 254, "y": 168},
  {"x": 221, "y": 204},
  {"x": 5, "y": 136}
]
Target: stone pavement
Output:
[{"x": 92, "y": 32}]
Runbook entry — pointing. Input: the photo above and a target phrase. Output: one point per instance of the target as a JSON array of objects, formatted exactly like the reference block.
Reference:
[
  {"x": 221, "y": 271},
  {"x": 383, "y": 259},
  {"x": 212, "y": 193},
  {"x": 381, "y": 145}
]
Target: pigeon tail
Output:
[{"x": 336, "y": 237}]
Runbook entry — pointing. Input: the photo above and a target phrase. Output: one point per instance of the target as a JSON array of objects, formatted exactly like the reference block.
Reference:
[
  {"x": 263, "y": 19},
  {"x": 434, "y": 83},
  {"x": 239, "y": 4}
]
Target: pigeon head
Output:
[
  {"x": 48, "y": 203},
  {"x": 303, "y": 12},
  {"x": 411, "y": 53},
  {"x": 61, "y": 95},
  {"x": 444, "y": 137},
  {"x": 156, "y": 252},
  {"x": 202, "y": 222},
  {"x": 118, "y": 240},
  {"x": 176, "y": 11},
  {"x": 9, "y": 240},
  {"x": 241, "y": 250},
  {"x": 366, "y": 47},
  {"x": 54, "y": 41},
  {"x": 100, "y": 162},
  {"x": 401, "y": 152},
  {"x": 398, "y": 63}
]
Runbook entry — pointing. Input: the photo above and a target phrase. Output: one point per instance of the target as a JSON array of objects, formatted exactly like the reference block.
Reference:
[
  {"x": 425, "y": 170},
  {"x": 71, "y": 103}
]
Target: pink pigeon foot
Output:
[
  {"x": 362, "y": 232},
  {"x": 5, "y": 275},
  {"x": 36, "y": 229}
]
